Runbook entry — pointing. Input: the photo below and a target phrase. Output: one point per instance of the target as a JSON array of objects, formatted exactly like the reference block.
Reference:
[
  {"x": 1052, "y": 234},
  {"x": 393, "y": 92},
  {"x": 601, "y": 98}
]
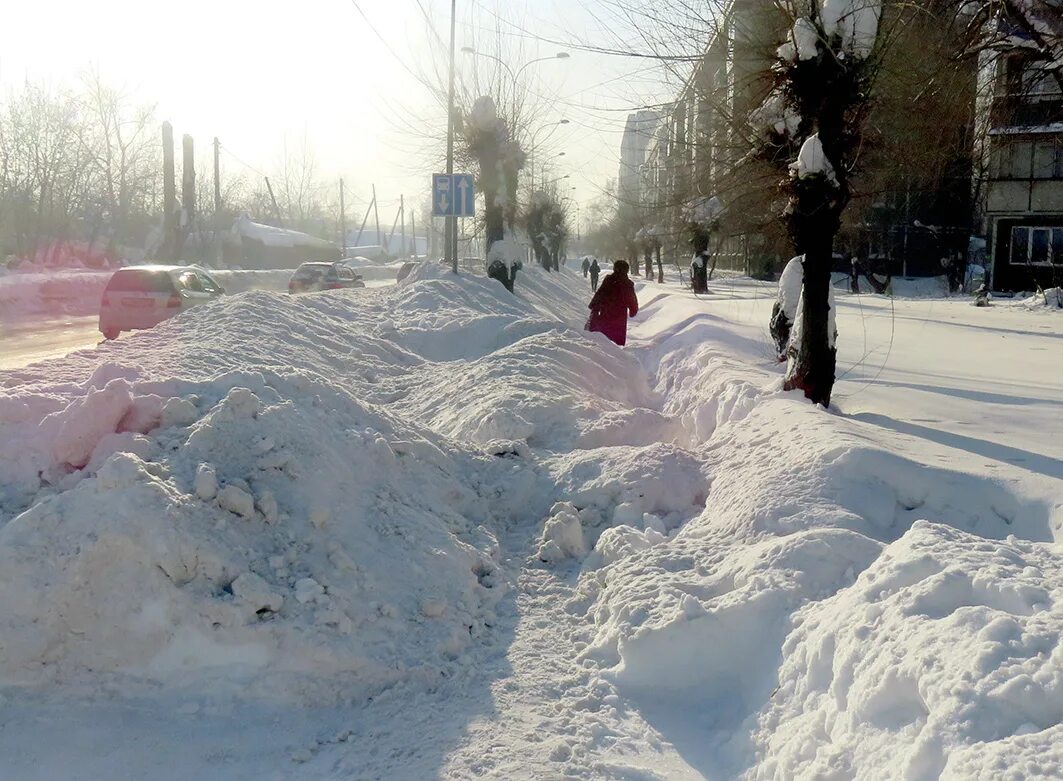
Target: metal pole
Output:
[
  {"x": 413, "y": 231},
  {"x": 452, "y": 233},
  {"x": 218, "y": 247},
  {"x": 169, "y": 192},
  {"x": 376, "y": 217},
  {"x": 365, "y": 219},
  {"x": 273, "y": 200},
  {"x": 343, "y": 222},
  {"x": 217, "y": 177},
  {"x": 402, "y": 211}
]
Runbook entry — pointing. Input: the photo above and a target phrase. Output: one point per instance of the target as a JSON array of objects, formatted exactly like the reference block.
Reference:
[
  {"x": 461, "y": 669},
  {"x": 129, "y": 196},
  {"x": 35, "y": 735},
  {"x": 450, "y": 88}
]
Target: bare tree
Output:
[{"x": 121, "y": 142}]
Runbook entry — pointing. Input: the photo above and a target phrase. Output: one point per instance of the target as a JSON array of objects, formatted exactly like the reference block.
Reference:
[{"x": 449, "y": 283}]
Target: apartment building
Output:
[{"x": 1022, "y": 173}]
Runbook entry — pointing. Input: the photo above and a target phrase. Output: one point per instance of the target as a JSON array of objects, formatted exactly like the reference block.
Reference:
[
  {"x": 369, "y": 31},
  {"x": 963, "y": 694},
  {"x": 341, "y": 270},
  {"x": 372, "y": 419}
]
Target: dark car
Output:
[{"x": 312, "y": 277}]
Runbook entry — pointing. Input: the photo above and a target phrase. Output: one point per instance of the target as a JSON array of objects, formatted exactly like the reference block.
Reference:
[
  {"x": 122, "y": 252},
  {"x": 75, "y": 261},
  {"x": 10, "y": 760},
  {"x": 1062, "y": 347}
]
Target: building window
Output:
[{"x": 1036, "y": 246}]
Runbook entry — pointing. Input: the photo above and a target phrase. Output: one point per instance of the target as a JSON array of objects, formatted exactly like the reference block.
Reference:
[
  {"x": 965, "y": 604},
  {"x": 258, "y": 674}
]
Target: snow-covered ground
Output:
[{"x": 436, "y": 530}]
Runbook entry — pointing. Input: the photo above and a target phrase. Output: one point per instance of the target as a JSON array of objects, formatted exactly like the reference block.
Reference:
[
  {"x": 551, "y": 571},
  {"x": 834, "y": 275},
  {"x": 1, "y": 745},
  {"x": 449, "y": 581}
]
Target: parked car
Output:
[
  {"x": 311, "y": 277},
  {"x": 144, "y": 296}
]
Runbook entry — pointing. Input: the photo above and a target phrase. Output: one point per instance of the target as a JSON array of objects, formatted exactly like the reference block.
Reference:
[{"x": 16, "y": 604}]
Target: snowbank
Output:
[
  {"x": 273, "y": 496},
  {"x": 58, "y": 293},
  {"x": 1051, "y": 299},
  {"x": 828, "y": 608}
]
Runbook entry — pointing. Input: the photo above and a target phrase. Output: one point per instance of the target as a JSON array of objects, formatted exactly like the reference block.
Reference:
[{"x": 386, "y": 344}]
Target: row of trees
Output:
[
  {"x": 489, "y": 145},
  {"x": 82, "y": 168}
]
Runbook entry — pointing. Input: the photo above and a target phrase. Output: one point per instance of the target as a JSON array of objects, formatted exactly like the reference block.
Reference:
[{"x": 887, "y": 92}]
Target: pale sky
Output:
[{"x": 257, "y": 72}]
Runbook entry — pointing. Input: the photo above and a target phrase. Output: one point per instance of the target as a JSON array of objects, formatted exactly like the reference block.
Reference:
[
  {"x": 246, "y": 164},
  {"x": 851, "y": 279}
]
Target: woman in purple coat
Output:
[{"x": 613, "y": 303}]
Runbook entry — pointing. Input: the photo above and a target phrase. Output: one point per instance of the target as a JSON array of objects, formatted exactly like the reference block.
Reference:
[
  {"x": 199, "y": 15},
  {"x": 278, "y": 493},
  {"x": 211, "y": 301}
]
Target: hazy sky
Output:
[{"x": 258, "y": 73}]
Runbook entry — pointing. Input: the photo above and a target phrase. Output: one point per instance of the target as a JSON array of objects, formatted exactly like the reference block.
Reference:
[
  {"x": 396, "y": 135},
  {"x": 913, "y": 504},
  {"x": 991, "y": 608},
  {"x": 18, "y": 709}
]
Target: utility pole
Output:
[
  {"x": 402, "y": 212},
  {"x": 451, "y": 222},
  {"x": 376, "y": 216},
  {"x": 217, "y": 177},
  {"x": 219, "y": 250},
  {"x": 273, "y": 200},
  {"x": 343, "y": 222},
  {"x": 413, "y": 231},
  {"x": 365, "y": 219},
  {"x": 169, "y": 193},
  {"x": 188, "y": 194},
  {"x": 394, "y": 227}
]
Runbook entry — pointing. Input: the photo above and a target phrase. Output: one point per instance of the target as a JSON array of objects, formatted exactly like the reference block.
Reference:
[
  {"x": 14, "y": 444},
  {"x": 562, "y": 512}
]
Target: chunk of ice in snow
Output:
[
  {"x": 562, "y": 535},
  {"x": 308, "y": 590},
  {"x": 237, "y": 500},
  {"x": 81, "y": 426},
  {"x": 206, "y": 482},
  {"x": 179, "y": 412},
  {"x": 126, "y": 442},
  {"x": 267, "y": 505},
  {"x": 256, "y": 593}
]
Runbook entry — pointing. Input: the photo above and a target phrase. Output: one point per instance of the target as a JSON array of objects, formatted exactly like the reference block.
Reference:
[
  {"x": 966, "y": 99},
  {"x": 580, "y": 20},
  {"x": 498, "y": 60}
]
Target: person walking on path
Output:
[
  {"x": 586, "y": 266},
  {"x": 595, "y": 270},
  {"x": 613, "y": 303}
]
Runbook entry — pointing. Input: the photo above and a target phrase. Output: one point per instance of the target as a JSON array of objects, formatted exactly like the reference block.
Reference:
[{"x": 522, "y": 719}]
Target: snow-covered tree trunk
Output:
[{"x": 823, "y": 78}]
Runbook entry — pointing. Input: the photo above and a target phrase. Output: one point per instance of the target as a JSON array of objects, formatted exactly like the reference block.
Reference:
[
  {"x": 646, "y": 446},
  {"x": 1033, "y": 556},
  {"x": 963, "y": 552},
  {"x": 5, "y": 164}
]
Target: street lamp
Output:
[
  {"x": 542, "y": 170},
  {"x": 513, "y": 75}
]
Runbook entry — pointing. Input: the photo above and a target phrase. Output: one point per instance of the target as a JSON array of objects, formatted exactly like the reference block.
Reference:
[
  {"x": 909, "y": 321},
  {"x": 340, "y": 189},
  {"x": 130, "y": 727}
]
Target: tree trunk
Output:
[
  {"x": 814, "y": 222},
  {"x": 660, "y": 266},
  {"x": 494, "y": 218},
  {"x": 648, "y": 256}
]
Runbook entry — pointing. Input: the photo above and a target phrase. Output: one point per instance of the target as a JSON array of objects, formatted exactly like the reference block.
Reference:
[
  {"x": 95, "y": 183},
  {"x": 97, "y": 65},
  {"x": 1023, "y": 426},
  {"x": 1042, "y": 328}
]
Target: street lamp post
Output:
[
  {"x": 542, "y": 171},
  {"x": 531, "y": 144}
]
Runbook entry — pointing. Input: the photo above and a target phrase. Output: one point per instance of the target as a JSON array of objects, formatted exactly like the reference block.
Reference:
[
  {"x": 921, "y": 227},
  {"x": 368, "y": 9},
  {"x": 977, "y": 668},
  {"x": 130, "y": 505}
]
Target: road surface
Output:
[{"x": 26, "y": 343}]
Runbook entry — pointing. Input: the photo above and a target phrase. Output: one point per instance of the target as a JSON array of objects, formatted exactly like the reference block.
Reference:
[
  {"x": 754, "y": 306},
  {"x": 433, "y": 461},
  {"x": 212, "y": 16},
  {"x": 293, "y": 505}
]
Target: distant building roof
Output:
[{"x": 271, "y": 236}]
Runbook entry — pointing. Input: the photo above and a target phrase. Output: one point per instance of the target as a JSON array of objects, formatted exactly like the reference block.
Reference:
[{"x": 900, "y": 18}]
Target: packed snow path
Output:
[{"x": 438, "y": 534}]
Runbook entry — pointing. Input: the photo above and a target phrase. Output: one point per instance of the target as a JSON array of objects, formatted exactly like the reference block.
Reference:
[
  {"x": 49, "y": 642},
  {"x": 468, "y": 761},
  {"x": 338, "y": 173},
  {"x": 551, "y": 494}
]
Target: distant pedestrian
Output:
[
  {"x": 613, "y": 303},
  {"x": 595, "y": 270},
  {"x": 586, "y": 265}
]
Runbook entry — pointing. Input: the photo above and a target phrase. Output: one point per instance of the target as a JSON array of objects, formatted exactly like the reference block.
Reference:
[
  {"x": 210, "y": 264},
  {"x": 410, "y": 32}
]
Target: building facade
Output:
[
  {"x": 1022, "y": 172},
  {"x": 638, "y": 131},
  {"x": 912, "y": 210}
]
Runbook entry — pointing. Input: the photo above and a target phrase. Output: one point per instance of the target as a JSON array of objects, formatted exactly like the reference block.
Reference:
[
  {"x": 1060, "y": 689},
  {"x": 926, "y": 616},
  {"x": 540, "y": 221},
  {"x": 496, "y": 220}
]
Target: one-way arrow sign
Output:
[{"x": 453, "y": 195}]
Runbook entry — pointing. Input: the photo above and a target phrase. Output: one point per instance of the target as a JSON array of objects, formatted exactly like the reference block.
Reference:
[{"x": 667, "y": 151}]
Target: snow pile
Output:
[
  {"x": 966, "y": 677},
  {"x": 803, "y": 41},
  {"x": 828, "y": 608},
  {"x": 812, "y": 161},
  {"x": 855, "y": 22},
  {"x": 790, "y": 284},
  {"x": 231, "y": 501},
  {"x": 58, "y": 293},
  {"x": 1052, "y": 298},
  {"x": 250, "y": 532},
  {"x": 203, "y": 508},
  {"x": 774, "y": 115},
  {"x": 508, "y": 252}
]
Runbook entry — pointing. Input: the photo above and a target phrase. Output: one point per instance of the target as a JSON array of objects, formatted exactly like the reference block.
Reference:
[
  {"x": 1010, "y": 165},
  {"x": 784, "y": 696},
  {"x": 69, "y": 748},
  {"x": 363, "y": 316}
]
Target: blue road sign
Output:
[{"x": 453, "y": 195}]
